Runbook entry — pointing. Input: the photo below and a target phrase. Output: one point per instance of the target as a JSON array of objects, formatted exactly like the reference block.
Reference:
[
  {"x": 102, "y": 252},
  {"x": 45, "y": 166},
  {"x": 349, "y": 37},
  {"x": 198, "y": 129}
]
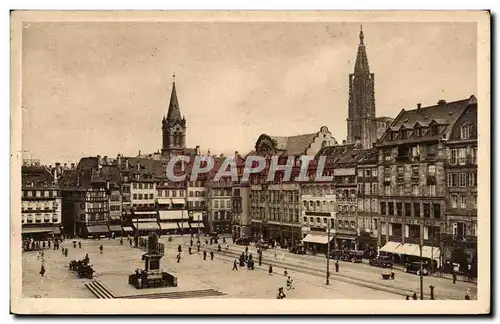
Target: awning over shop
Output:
[
  {"x": 345, "y": 237},
  {"x": 172, "y": 214},
  {"x": 39, "y": 229},
  {"x": 57, "y": 230},
  {"x": 414, "y": 250},
  {"x": 390, "y": 247},
  {"x": 408, "y": 249},
  {"x": 115, "y": 228},
  {"x": 148, "y": 226},
  {"x": 128, "y": 229},
  {"x": 316, "y": 238},
  {"x": 167, "y": 226},
  {"x": 97, "y": 229},
  {"x": 179, "y": 201},
  {"x": 196, "y": 216},
  {"x": 149, "y": 212},
  {"x": 197, "y": 225},
  {"x": 183, "y": 225}
]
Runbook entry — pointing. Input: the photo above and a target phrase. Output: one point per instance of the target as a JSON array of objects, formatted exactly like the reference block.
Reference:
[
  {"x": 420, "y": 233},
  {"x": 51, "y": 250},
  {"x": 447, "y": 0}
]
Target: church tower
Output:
[
  {"x": 361, "y": 123},
  {"x": 173, "y": 128}
]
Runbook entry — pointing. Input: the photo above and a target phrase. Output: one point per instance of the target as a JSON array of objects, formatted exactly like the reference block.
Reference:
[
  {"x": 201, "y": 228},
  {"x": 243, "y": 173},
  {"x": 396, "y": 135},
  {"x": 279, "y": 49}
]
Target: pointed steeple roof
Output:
[
  {"x": 174, "y": 112},
  {"x": 361, "y": 66}
]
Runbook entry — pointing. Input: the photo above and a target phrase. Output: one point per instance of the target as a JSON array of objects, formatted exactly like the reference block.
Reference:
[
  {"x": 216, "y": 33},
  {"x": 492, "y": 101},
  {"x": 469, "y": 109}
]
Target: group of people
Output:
[{"x": 37, "y": 245}]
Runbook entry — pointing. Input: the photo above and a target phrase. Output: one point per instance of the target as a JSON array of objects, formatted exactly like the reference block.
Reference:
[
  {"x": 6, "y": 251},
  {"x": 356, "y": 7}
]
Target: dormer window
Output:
[
  {"x": 434, "y": 130},
  {"x": 418, "y": 132},
  {"x": 465, "y": 131}
]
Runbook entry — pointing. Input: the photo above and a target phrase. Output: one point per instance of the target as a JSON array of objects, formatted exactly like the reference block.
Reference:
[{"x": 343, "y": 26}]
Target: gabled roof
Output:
[
  {"x": 290, "y": 145},
  {"x": 36, "y": 176},
  {"x": 443, "y": 113}
]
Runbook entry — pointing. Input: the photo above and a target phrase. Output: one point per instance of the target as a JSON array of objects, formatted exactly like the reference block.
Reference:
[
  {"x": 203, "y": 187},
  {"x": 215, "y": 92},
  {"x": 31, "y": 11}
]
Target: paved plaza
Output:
[{"x": 117, "y": 262}]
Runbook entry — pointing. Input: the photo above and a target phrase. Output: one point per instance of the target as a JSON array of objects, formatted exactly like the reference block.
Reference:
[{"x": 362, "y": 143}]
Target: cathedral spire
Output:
[
  {"x": 174, "y": 112},
  {"x": 361, "y": 66}
]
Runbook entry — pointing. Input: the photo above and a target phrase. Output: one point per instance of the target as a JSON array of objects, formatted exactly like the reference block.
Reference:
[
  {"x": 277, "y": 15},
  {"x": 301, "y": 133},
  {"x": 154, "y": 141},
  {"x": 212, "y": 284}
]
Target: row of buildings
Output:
[{"x": 398, "y": 183}]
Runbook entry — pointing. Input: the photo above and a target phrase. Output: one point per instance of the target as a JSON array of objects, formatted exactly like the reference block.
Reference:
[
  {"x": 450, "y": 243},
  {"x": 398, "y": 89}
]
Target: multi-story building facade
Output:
[
  {"x": 368, "y": 216},
  {"x": 412, "y": 179},
  {"x": 346, "y": 190},
  {"x": 276, "y": 206},
  {"x": 41, "y": 202},
  {"x": 460, "y": 231},
  {"x": 318, "y": 207},
  {"x": 219, "y": 202}
]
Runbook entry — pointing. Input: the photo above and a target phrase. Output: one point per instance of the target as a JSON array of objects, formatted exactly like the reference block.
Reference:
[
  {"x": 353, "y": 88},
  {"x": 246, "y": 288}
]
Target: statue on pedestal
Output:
[{"x": 152, "y": 275}]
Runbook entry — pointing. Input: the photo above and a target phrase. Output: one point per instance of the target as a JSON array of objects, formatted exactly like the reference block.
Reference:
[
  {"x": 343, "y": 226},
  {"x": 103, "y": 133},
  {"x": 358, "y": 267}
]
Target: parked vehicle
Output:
[
  {"x": 263, "y": 245},
  {"x": 381, "y": 262},
  {"x": 243, "y": 241},
  {"x": 353, "y": 256},
  {"x": 214, "y": 235},
  {"x": 414, "y": 267},
  {"x": 298, "y": 249}
]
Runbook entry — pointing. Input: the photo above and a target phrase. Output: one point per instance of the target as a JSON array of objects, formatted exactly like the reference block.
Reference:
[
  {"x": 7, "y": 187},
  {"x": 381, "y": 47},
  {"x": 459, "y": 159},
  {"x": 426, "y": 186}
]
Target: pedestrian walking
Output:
[
  {"x": 204, "y": 255},
  {"x": 407, "y": 297},
  {"x": 101, "y": 248},
  {"x": 337, "y": 266},
  {"x": 62, "y": 250},
  {"x": 178, "y": 257},
  {"x": 49, "y": 243},
  {"x": 223, "y": 240},
  {"x": 414, "y": 296},
  {"x": 211, "y": 255},
  {"x": 179, "y": 248},
  {"x": 42, "y": 270},
  {"x": 191, "y": 242},
  {"x": 270, "y": 269},
  {"x": 219, "y": 248},
  {"x": 79, "y": 244},
  {"x": 392, "y": 274},
  {"x": 281, "y": 294},
  {"x": 121, "y": 240},
  {"x": 66, "y": 252},
  {"x": 189, "y": 249},
  {"x": 454, "y": 276},
  {"x": 246, "y": 249},
  {"x": 198, "y": 246},
  {"x": 285, "y": 273},
  {"x": 235, "y": 265},
  {"x": 289, "y": 282},
  {"x": 467, "y": 294}
]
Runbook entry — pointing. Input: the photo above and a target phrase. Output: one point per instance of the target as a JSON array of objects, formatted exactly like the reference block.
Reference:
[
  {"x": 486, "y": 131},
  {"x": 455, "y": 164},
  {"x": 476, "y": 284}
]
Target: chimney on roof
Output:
[
  {"x": 105, "y": 160},
  {"x": 197, "y": 150},
  {"x": 419, "y": 105},
  {"x": 344, "y": 142},
  {"x": 235, "y": 154},
  {"x": 441, "y": 102},
  {"x": 119, "y": 160},
  {"x": 55, "y": 175},
  {"x": 72, "y": 166},
  {"x": 107, "y": 184},
  {"x": 208, "y": 152},
  {"x": 222, "y": 155},
  {"x": 65, "y": 166},
  {"x": 139, "y": 152},
  {"x": 126, "y": 164},
  {"x": 99, "y": 160},
  {"x": 138, "y": 166}
]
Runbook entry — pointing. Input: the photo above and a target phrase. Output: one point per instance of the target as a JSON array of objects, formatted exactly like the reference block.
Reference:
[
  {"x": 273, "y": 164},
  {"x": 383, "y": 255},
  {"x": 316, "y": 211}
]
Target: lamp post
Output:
[
  {"x": 421, "y": 275},
  {"x": 328, "y": 254}
]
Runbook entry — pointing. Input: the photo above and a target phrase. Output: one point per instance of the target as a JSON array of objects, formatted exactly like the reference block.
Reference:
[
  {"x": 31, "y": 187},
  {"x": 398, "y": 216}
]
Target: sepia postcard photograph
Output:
[{"x": 246, "y": 162}]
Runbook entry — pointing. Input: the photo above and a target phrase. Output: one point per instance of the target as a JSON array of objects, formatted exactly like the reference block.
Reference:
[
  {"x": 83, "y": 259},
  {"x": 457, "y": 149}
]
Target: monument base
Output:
[{"x": 152, "y": 279}]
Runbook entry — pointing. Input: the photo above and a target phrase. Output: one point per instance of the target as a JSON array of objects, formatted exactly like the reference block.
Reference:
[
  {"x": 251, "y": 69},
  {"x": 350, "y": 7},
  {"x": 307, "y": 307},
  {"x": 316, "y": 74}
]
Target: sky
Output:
[{"x": 93, "y": 88}]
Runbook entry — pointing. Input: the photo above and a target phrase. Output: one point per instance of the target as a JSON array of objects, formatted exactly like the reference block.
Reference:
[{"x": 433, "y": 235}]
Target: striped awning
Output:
[{"x": 128, "y": 229}]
